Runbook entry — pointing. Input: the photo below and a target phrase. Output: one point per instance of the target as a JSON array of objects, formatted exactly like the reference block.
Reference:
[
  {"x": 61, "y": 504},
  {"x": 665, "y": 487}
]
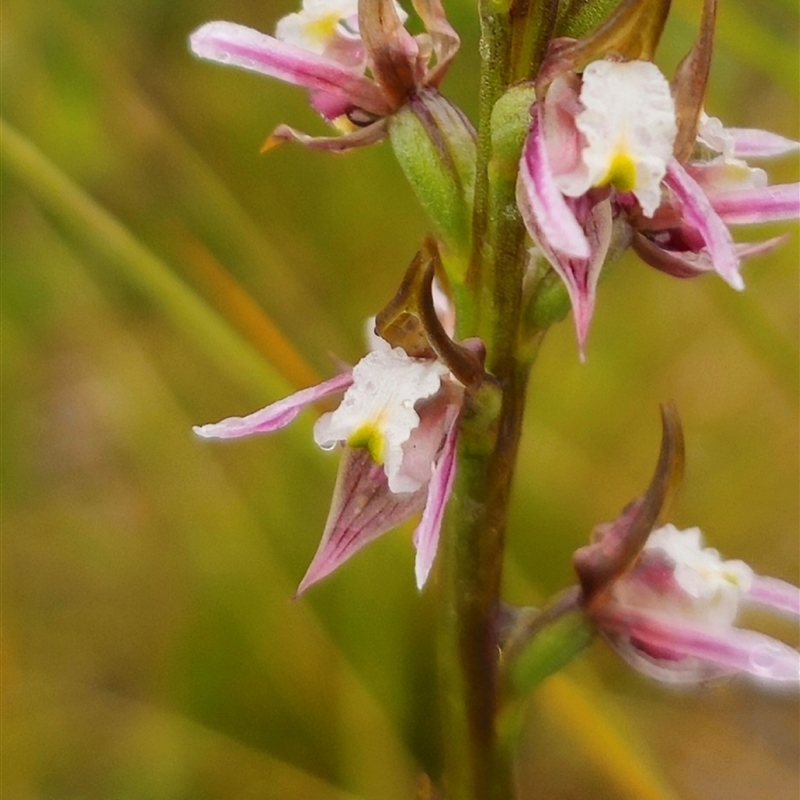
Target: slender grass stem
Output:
[{"x": 101, "y": 232}]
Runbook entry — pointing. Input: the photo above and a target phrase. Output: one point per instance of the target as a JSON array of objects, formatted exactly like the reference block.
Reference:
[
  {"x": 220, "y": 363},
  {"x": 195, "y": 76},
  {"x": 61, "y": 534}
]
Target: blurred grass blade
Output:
[
  {"x": 210, "y": 206},
  {"x": 605, "y": 743},
  {"x": 777, "y": 353},
  {"x": 242, "y": 311},
  {"x": 248, "y": 680},
  {"x": 152, "y": 748},
  {"x": 100, "y": 231},
  {"x": 750, "y": 40}
]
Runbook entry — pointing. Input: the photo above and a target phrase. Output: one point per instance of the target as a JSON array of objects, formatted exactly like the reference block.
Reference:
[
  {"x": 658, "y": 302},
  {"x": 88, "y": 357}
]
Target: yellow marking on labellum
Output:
[
  {"x": 323, "y": 28},
  {"x": 621, "y": 172},
  {"x": 343, "y": 124},
  {"x": 371, "y": 439}
]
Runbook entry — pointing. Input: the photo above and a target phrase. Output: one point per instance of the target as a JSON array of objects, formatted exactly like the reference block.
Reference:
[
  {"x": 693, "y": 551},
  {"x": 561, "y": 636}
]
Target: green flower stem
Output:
[
  {"x": 495, "y": 48},
  {"x": 473, "y": 543},
  {"x": 472, "y": 560},
  {"x": 543, "y": 642},
  {"x": 533, "y": 23}
]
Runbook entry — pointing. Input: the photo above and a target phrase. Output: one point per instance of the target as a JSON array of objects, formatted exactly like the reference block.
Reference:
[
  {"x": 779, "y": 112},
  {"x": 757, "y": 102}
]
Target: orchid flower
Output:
[
  {"x": 667, "y": 604},
  {"x": 617, "y": 142},
  {"x": 716, "y": 188},
  {"x": 398, "y": 423},
  {"x": 355, "y": 58},
  {"x": 671, "y": 616}
]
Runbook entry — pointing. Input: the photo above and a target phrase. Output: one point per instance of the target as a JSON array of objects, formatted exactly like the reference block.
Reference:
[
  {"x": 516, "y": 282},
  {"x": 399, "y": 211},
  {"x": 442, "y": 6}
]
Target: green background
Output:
[{"x": 157, "y": 272}]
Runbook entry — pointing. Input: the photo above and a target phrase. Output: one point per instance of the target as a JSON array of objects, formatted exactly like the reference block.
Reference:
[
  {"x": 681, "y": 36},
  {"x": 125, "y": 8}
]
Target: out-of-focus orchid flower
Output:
[
  {"x": 397, "y": 421},
  {"x": 611, "y": 139},
  {"x": 667, "y": 604},
  {"x": 355, "y": 57},
  {"x": 671, "y": 616}
]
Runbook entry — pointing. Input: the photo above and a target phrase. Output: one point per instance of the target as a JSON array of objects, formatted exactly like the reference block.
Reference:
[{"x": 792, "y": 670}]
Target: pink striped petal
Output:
[
  {"x": 775, "y": 594},
  {"x": 752, "y": 206},
  {"x": 239, "y": 46},
  {"x": 751, "y": 249},
  {"x": 274, "y": 416},
  {"x": 699, "y": 214},
  {"x": 683, "y": 653},
  {"x": 598, "y": 227},
  {"x": 426, "y": 536},
  {"x": 363, "y": 509},
  {"x": 754, "y": 143},
  {"x": 580, "y": 275},
  {"x": 545, "y": 212}
]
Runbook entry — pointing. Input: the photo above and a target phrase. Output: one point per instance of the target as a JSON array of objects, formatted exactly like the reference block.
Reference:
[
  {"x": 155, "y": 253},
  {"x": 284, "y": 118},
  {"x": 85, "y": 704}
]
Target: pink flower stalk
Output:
[
  {"x": 603, "y": 146},
  {"x": 355, "y": 58},
  {"x": 671, "y": 615},
  {"x": 398, "y": 423}
]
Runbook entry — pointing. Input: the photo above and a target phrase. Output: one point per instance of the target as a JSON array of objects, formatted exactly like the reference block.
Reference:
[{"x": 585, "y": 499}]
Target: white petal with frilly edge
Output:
[
  {"x": 629, "y": 124},
  {"x": 743, "y": 142},
  {"x": 314, "y": 27},
  {"x": 377, "y": 412}
]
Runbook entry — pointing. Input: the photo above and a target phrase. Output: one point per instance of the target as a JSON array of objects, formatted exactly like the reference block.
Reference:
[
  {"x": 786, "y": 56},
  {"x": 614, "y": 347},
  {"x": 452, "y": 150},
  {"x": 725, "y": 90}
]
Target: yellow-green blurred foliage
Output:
[{"x": 157, "y": 272}]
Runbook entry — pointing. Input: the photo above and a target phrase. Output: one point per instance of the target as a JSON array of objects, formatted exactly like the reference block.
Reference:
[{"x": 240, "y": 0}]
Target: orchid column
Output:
[{"x": 582, "y": 149}]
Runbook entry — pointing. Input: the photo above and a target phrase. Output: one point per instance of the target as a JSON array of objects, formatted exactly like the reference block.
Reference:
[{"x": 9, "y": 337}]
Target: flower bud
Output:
[
  {"x": 435, "y": 146},
  {"x": 511, "y": 121}
]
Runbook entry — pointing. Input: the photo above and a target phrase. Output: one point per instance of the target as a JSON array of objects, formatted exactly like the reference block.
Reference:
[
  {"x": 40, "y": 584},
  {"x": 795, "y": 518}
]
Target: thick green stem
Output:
[
  {"x": 472, "y": 561},
  {"x": 474, "y": 537}
]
